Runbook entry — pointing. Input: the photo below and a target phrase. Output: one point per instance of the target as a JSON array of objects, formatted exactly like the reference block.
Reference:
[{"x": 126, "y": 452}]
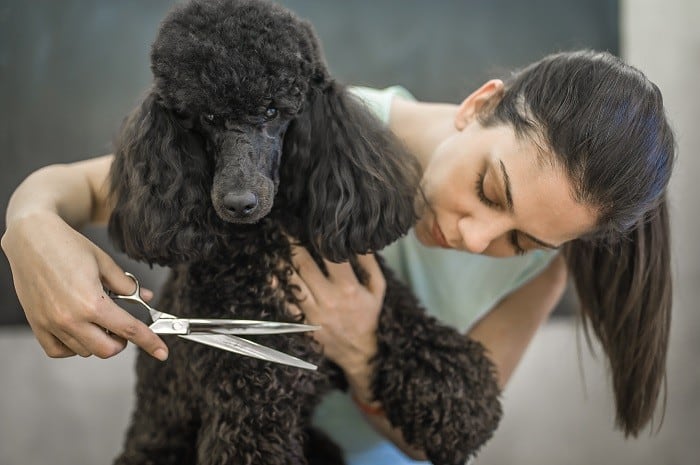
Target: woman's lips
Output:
[{"x": 439, "y": 236}]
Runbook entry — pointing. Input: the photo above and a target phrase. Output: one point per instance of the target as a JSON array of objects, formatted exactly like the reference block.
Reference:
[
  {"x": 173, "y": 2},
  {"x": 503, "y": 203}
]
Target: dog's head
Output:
[
  {"x": 242, "y": 107},
  {"x": 236, "y": 72}
]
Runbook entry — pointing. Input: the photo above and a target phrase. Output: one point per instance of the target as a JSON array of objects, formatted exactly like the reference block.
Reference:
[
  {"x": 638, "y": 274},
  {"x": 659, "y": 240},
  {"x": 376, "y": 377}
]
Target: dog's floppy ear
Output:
[
  {"x": 160, "y": 182},
  {"x": 348, "y": 179}
]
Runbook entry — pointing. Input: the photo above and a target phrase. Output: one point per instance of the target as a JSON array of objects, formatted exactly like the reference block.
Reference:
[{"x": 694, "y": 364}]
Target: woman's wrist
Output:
[
  {"x": 374, "y": 408},
  {"x": 359, "y": 377},
  {"x": 22, "y": 221},
  {"x": 360, "y": 382},
  {"x": 354, "y": 355}
]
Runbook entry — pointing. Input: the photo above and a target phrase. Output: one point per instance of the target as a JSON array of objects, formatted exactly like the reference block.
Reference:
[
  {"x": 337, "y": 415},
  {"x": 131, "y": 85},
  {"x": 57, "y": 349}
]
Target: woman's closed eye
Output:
[
  {"x": 482, "y": 194},
  {"x": 512, "y": 235}
]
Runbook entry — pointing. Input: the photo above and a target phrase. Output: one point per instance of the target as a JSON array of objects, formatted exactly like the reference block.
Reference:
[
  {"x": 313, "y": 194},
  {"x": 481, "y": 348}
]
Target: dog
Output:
[{"x": 243, "y": 147}]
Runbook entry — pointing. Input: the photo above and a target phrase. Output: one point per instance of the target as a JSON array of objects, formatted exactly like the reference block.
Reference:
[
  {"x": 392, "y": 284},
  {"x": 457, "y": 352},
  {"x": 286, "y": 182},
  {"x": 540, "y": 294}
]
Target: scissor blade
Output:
[
  {"x": 179, "y": 326},
  {"x": 248, "y": 348},
  {"x": 242, "y": 327}
]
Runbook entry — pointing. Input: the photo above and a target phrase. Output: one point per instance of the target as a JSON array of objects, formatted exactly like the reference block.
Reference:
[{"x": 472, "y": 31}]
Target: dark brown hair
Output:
[{"x": 606, "y": 125}]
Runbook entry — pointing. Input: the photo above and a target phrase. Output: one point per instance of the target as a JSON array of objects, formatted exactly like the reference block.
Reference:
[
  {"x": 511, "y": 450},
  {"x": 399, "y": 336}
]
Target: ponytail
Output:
[
  {"x": 626, "y": 296},
  {"x": 604, "y": 123}
]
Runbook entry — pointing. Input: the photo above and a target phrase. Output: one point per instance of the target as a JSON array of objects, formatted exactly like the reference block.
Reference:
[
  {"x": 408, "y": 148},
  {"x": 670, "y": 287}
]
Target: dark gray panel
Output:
[{"x": 70, "y": 70}]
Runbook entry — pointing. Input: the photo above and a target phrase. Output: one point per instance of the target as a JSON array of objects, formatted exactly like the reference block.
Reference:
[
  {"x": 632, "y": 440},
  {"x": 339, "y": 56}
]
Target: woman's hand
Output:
[
  {"x": 347, "y": 311},
  {"x": 59, "y": 276}
]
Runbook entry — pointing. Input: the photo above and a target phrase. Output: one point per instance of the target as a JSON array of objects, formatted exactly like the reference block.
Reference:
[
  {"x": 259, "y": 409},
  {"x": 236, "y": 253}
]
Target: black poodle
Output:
[{"x": 244, "y": 142}]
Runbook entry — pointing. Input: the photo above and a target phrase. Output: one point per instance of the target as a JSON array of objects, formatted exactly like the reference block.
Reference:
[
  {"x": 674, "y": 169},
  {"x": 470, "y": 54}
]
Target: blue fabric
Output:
[{"x": 384, "y": 453}]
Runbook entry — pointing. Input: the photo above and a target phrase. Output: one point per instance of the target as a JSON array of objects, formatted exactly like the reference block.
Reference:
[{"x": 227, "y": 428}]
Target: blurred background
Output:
[{"x": 70, "y": 70}]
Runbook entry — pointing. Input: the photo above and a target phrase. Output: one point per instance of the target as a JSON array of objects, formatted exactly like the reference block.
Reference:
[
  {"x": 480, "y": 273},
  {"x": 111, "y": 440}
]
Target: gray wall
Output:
[{"x": 70, "y": 70}]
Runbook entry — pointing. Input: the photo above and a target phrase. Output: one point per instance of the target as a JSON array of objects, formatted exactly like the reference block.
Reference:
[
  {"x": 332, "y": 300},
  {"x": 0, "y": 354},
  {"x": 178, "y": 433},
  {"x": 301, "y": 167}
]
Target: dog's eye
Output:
[
  {"x": 270, "y": 113},
  {"x": 209, "y": 118}
]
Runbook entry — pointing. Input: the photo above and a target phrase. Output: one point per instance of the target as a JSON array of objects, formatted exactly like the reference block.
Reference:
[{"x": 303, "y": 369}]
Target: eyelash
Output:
[
  {"x": 513, "y": 236},
  {"x": 480, "y": 192}
]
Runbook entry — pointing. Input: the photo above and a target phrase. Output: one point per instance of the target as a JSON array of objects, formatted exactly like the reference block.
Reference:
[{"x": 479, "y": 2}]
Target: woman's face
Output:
[{"x": 493, "y": 193}]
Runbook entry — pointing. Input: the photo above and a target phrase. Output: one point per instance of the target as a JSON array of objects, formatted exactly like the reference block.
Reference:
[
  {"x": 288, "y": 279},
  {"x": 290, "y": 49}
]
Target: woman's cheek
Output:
[{"x": 421, "y": 231}]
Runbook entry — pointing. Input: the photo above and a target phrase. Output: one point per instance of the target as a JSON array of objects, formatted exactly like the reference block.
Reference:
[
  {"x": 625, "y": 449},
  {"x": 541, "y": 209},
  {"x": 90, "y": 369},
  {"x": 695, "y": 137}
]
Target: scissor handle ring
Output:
[{"x": 136, "y": 295}]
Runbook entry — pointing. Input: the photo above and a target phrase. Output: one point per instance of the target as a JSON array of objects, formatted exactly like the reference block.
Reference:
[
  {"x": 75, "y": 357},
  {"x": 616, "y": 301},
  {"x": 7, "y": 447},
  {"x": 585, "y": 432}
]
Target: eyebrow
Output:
[
  {"x": 511, "y": 208},
  {"x": 506, "y": 186}
]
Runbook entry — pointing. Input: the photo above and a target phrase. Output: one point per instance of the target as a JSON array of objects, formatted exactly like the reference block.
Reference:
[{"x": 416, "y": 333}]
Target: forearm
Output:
[
  {"x": 360, "y": 390},
  {"x": 75, "y": 192},
  {"x": 505, "y": 332},
  {"x": 508, "y": 328}
]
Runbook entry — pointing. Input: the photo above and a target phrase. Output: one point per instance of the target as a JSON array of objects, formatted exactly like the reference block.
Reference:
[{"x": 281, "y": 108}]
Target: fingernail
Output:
[{"x": 161, "y": 354}]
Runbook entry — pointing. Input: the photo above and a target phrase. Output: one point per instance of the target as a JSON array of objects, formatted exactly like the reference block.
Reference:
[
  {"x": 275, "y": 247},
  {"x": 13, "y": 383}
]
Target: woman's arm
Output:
[
  {"x": 59, "y": 274},
  {"x": 76, "y": 192},
  {"x": 508, "y": 328},
  {"x": 348, "y": 313}
]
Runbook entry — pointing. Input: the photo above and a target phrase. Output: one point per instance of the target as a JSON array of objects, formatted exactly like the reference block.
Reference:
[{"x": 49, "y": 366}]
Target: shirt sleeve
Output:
[{"x": 379, "y": 100}]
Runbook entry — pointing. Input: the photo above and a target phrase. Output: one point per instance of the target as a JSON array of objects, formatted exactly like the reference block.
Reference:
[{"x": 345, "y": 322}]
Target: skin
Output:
[
  {"x": 538, "y": 206},
  {"x": 61, "y": 288}
]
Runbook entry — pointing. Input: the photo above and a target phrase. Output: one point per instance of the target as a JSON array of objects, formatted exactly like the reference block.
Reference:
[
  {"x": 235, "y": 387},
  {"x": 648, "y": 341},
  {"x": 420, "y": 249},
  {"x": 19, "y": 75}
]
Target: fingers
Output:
[
  {"x": 377, "y": 282},
  {"x": 96, "y": 341},
  {"x": 56, "y": 342},
  {"x": 119, "y": 322},
  {"x": 61, "y": 346},
  {"x": 98, "y": 327},
  {"x": 71, "y": 343},
  {"x": 306, "y": 266},
  {"x": 304, "y": 295},
  {"x": 114, "y": 277},
  {"x": 53, "y": 347},
  {"x": 346, "y": 310},
  {"x": 338, "y": 273},
  {"x": 103, "y": 334},
  {"x": 304, "y": 291}
]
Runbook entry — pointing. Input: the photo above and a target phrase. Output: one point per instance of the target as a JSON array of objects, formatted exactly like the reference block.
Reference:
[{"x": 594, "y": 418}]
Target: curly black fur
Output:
[
  {"x": 244, "y": 141},
  {"x": 434, "y": 383}
]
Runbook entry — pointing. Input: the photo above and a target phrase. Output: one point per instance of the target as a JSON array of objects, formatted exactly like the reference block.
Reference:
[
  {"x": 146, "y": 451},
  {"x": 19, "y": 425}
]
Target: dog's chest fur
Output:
[{"x": 249, "y": 280}]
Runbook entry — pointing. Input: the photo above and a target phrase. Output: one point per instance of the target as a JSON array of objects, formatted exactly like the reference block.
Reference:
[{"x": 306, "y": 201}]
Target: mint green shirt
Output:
[{"x": 455, "y": 286}]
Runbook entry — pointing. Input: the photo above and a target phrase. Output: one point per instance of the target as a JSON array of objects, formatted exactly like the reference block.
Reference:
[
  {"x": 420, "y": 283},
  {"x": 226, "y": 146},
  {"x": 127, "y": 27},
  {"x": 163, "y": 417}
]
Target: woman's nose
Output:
[{"x": 477, "y": 236}]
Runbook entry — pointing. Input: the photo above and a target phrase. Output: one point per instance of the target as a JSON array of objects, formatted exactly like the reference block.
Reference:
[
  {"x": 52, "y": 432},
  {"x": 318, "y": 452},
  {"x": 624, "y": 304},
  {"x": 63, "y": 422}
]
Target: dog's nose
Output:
[{"x": 241, "y": 203}]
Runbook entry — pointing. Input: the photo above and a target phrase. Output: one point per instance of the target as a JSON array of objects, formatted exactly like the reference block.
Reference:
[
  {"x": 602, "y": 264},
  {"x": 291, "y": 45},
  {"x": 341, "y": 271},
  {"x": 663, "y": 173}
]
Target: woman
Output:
[{"x": 573, "y": 154}]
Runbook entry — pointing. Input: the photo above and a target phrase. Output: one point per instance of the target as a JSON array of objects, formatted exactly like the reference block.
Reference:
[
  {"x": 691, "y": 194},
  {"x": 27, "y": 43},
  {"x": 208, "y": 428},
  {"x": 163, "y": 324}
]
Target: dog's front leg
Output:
[
  {"x": 163, "y": 429},
  {"x": 250, "y": 419},
  {"x": 436, "y": 384}
]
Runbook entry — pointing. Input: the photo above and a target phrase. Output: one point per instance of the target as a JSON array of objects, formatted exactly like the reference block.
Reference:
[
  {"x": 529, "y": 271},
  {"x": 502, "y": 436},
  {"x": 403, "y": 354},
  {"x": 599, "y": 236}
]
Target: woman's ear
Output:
[{"x": 485, "y": 97}]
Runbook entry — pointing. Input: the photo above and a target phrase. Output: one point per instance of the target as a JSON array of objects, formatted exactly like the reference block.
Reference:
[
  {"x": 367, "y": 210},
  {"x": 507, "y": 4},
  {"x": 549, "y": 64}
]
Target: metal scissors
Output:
[{"x": 220, "y": 333}]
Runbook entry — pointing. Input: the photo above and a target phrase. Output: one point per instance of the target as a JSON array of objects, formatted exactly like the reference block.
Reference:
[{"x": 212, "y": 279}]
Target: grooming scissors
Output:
[{"x": 221, "y": 333}]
